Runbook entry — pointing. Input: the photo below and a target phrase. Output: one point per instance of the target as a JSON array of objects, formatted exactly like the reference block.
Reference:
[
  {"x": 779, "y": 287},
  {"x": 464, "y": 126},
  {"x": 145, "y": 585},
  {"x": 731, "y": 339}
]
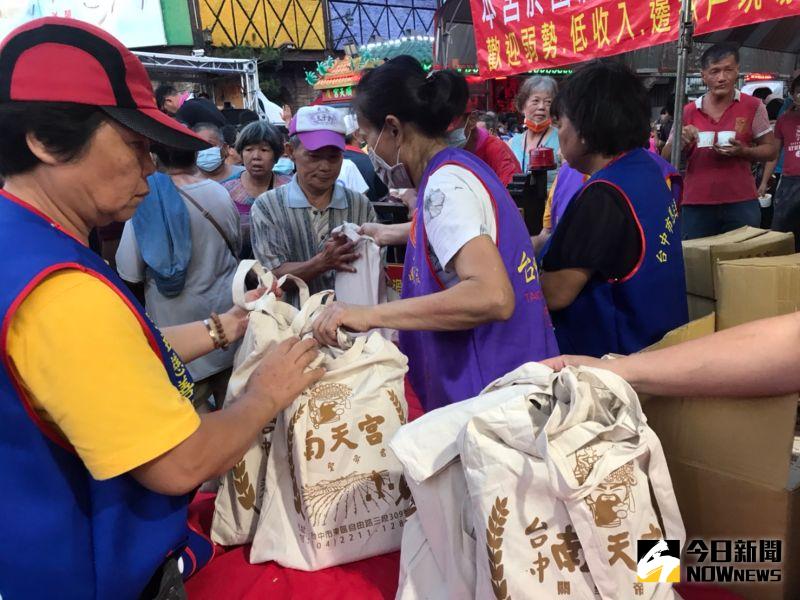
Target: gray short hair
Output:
[
  {"x": 260, "y": 132},
  {"x": 537, "y": 83}
]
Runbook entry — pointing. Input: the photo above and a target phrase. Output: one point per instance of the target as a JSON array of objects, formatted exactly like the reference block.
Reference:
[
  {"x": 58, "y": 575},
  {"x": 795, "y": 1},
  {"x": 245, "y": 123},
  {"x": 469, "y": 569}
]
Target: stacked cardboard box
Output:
[
  {"x": 757, "y": 288},
  {"x": 702, "y": 256},
  {"x": 730, "y": 463}
]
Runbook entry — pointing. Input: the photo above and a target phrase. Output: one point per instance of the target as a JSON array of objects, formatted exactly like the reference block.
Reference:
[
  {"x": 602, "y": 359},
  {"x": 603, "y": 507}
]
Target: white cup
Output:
[
  {"x": 705, "y": 139},
  {"x": 724, "y": 138}
]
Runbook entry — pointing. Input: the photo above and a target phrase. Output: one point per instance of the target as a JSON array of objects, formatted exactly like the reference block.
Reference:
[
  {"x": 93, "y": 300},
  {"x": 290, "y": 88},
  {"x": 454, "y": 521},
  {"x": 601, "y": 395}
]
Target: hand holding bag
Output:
[{"x": 270, "y": 321}]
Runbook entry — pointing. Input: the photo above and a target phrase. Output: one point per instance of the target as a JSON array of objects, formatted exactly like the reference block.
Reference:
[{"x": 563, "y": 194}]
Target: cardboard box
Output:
[
  {"x": 729, "y": 460},
  {"x": 757, "y": 288},
  {"x": 698, "y": 262},
  {"x": 699, "y": 307},
  {"x": 701, "y": 255}
]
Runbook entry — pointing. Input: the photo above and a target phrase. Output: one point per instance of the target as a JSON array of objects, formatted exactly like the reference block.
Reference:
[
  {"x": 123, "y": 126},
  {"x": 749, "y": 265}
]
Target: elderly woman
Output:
[
  {"x": 534, "y": 100},
  {"x": 100, "y": 446},
  {"x": 472, "y": 308},
  {"x": 260, "y": 145},
  {"x": 613, "y": 269}
]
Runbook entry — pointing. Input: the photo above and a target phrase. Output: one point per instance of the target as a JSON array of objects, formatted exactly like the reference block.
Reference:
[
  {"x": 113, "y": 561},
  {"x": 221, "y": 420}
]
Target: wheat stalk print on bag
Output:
[
  {"x": 335, "y": 492},
  {"x": 401, "y": 413},
  {"x": 495, "y": 528},
  {"x": 561, "y": 472},
  {"x": 246, "y": 495},
  {"x": 242, "y": 490}
]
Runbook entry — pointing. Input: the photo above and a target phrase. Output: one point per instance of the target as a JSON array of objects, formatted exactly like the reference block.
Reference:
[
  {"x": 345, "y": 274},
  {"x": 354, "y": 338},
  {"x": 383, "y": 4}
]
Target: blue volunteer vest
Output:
[
  {"x": 64, "y": 534},
  {"x": 623, "y": 316}
]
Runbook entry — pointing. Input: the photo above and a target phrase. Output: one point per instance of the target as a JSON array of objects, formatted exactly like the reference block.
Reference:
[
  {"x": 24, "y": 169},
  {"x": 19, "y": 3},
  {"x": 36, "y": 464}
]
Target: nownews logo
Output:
[
  {"x": 714, "y": 561},
  {"x": 658, "y": 561},
  {"x": 725, "y": 561}
]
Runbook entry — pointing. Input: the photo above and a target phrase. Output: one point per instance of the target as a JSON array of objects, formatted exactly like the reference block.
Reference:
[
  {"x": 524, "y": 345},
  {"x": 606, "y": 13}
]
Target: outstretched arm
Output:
[{"x": 761, "y": 358}]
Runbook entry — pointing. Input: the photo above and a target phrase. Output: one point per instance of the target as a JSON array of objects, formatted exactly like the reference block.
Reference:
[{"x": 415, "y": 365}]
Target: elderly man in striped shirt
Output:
[{"x": 291, "y": 225}]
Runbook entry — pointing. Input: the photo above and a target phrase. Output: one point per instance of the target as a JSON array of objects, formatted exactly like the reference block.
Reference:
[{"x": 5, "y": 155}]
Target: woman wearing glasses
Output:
[{"x": 534, "y": 100}]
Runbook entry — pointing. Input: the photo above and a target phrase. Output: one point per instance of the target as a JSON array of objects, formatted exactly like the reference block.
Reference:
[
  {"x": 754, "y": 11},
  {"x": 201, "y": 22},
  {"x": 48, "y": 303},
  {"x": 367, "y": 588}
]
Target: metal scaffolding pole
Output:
[
  {"x": 684, "y": 48},
  {"x": 246, "y": 69}
]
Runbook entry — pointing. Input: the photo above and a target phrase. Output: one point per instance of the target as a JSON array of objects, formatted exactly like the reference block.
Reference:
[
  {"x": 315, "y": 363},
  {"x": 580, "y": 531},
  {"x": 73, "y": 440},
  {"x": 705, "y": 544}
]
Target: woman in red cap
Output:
[{"x": 99, "y": 442}]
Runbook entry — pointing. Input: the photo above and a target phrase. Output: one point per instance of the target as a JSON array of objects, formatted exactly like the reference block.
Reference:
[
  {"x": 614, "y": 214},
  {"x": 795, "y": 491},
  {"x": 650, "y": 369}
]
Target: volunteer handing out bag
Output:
[{"x": 559, "y": 476}]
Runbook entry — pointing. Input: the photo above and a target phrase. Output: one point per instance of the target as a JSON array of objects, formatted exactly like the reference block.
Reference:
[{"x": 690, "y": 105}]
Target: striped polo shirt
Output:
[{"x": 286, "y": 228}]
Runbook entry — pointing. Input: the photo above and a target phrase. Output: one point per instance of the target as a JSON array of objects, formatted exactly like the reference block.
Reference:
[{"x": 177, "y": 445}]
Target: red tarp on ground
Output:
[{"x": 230, "y": 576}]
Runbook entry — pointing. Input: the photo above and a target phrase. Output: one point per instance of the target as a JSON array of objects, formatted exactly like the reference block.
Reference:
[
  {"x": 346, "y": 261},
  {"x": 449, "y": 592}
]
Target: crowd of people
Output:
[{"x": 112, "y": 376}]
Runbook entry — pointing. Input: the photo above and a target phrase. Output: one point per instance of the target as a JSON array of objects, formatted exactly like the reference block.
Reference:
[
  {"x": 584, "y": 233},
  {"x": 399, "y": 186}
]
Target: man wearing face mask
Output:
[
  {"x": 291, "y": 225},
  {"x": 472, "y": 308},
  {"x": 212, "y": 161},
  {"x": 490, "y": 149}
]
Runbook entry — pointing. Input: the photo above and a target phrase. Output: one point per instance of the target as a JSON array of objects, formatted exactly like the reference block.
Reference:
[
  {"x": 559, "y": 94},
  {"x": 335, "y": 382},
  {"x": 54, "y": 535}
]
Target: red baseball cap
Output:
[{"x": 65, "y": 60}]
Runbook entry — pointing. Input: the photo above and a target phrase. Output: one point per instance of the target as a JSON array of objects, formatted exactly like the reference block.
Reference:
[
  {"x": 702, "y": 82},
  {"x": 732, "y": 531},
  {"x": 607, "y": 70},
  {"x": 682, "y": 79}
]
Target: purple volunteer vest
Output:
[
  {"x": 447, "y": 367},
  {"x": 568, "y": 183}
]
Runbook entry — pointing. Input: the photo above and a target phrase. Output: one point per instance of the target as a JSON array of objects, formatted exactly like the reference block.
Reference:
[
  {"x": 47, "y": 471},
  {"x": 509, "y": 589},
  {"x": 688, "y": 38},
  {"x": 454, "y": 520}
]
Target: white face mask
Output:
[
  {"x": 209, "y": 159},
  {"x": 392, "y": 176}
]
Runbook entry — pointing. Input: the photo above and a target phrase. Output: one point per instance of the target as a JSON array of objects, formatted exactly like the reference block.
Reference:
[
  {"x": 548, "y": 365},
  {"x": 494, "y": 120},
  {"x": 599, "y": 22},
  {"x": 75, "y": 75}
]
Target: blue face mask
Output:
[
  {"x": 284, "y": 166},
  {"x": 457, "y": 138},
  {"x": 209, "y": 159}
]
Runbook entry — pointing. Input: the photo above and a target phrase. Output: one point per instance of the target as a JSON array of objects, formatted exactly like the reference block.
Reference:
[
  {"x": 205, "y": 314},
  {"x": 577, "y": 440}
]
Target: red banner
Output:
[
  {"x": 516, "y": 36},
  {"x": 714, "y": 15}
]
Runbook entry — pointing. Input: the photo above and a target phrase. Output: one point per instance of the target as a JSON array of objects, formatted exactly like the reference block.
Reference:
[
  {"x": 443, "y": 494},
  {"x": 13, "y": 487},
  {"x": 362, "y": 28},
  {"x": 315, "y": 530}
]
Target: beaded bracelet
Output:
[
  {"x": 212, "y": 332},
  {"x": 223, "y": 340}
]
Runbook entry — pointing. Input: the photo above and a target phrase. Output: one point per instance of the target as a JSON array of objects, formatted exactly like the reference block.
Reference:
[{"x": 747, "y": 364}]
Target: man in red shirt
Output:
[
  {"x": 495, "y": 153},
  {"x": 724, "y": 132},
  {"x": 489, "y": 148},
  {"x": 787, "y": 196}
]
